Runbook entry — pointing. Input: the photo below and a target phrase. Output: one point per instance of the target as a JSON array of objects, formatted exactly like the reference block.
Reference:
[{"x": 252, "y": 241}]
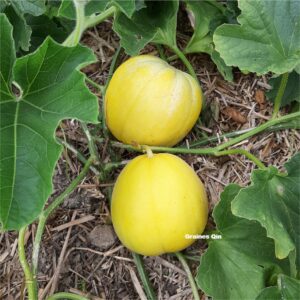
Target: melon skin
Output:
[
  {"x": 156, "y": 202},
  {"x": 149, "y": 102}
]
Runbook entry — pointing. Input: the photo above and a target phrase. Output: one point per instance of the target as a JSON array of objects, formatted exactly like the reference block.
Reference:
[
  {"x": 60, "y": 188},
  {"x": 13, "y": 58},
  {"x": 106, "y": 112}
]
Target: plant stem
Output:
[
  {"x": 143, "y": 275},
  {"x": 110, "y": 73},
  {"x": 185, "y": 61},
  {"x": 96, "y": 19},
  {"x": 91, "y": 145},
  {"x": 293, "y": 124},
  {"x": 49, "y": 210},
  {"x": 232, "y": 142},
  {"x": 112, "y": 67},
  {"x": 217, "y": 151},
  {"x": 112, "y": 165},
  {"x": 189, "y": 274},
  {"x": 280, "y": 94},
  {"x": 217, "y": 138},
  {"x": 74, "y": 38},
  {"x": 242, "y": 152},
  {"x": 160, "y": 50},
  {"x": 30, "y": 279},
  {"x": 95, "y": 85},
  {"x": 78, "y": 154},
  {"x": 64, "y": 295},
  {"x": 171, "y": 58},
  {"x": 257, "y": 130},
  {"x": 203, "y": 151},
  {"x": 83, "y": 22}
]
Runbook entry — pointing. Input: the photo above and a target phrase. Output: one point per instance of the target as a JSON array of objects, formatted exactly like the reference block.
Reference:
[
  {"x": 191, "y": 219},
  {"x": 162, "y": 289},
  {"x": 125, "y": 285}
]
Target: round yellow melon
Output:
[
  {"x": 149, "y": 102},
  {"x": 158, "y": 202}
]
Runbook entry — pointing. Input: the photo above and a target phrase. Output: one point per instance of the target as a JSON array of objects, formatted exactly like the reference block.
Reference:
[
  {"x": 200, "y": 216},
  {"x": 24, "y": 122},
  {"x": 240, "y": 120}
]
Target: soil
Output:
[{"x": 74, "y": 255}]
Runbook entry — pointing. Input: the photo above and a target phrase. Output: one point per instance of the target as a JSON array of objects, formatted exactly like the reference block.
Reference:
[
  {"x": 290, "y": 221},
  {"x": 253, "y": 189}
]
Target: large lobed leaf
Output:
[
  {"x": 238, "y": 265},
  {"x": 52, "y": 89},
  {"x": 267, "y": 38},
  {"x": 276, "y": 206}
]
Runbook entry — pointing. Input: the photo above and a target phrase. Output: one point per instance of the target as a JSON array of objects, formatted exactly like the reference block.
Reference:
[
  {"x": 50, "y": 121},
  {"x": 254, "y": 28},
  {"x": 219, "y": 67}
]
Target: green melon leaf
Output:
[
  {"x": 232, "y": 11},
  {"x": 3, "y": 5},
  {"x": 238, "y": 265},
  {"x": 67, "y": 9},
  {"x": 16, "y": 11},
  {"x": 7, "y": 57},
  {"x": 32, "y": 7},
  {"x": 205, "y": 16},
  {"x": 276, "y": 206},
  {"x": 21, "y": 30},
  {"x": 292, "y": 90},
  {"x": 287, "y": 289},
  {"x": 50, "y": 90},
  {"x": 42, "y": 27},
  {"x": 128, "y": 7},
  {"x": 267, "y": 39},
  {"x": 225, "y": 71},
  {"x": 155, "y": 23}
]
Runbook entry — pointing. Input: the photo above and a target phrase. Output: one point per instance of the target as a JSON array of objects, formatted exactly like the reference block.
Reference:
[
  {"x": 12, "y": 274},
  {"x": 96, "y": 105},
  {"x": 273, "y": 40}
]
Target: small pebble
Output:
[{"x": 102, "y": 236}]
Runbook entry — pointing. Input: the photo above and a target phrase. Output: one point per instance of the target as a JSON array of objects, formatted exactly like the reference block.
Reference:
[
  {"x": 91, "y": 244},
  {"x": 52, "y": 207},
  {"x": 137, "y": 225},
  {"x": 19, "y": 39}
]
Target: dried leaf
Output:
[
  {"x": 267, "y": 149},
  {"x": 260, "y": 98},
  {"x": 92, "y": 68},
  {"x": 235, "y": 115},
  {"x": 191, "y": 17}
]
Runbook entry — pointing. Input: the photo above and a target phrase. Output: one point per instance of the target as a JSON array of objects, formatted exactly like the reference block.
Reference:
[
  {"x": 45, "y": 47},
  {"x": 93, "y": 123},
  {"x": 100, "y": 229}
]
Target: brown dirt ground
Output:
[{"x": 110, "y": 273}]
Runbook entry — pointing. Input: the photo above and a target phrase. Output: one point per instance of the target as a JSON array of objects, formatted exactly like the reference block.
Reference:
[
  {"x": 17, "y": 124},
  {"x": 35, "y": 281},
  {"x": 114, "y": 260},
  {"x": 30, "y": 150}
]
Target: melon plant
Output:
[{"x": 149, "y": 106}]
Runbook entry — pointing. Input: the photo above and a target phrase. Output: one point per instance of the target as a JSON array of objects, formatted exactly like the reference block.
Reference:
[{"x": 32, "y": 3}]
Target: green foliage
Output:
[
  {"x": 50, "y": 90},
  {"x": 15, "y": 12},
  {"x": 128, "y": 7},
  {"x": 292, "y": 90},
  {"x": 275, "y": 206},
  {"x": 266, "y": 39},
  {"x": 67, "y": 9},
  {"x": 21, "y": 31},
  {"x": 7, "y": 56},
  {"x": 32, "y": 7},
  {"x": 42, "y": 27},
  {"x": 232, "y": 11},
  {"x": 205, "y": 17},
  {"x": 258, "y": 256},
  {"x": 238, "y": 265},
  {"x": 222, "y": 67},
  {"x": 287, "y": 289},
  {"x": 155, "y": 23}
]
